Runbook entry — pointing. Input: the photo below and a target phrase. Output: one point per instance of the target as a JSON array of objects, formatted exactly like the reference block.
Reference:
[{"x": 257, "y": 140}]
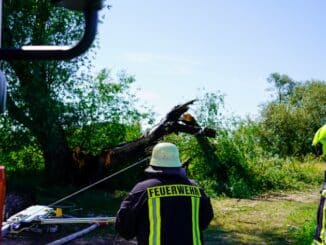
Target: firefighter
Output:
[
  {"x": 319, "y": 141},
  {"x": 167, "y": 208},
  {"x": 320, "y": 234}
]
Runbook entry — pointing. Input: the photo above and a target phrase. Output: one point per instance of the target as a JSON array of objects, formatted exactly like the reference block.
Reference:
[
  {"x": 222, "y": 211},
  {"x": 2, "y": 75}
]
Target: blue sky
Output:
[{"x": 175, "y": 47}]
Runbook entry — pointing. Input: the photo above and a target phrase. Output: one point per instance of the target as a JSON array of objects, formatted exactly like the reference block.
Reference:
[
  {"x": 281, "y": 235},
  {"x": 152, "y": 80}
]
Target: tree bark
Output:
[{"x": 57, "y": 156}]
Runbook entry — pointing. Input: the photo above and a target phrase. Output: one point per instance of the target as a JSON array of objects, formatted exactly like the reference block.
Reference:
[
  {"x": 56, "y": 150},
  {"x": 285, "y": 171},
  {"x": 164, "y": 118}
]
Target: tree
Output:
[
  {"x": 282, "y": 84},
  {"x": 62, "y": 105},
  {"x": 215, "y": 163},
  {"x": 51, "y": 98},
  {"x": 287, "y": 128},
  {"x": 209, "y": 109},
  {"x": 35, "y": 87}
]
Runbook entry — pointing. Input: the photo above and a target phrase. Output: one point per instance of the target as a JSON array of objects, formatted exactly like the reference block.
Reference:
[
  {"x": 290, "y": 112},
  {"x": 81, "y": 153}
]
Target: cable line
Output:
[{"x": 97, "y": 182}]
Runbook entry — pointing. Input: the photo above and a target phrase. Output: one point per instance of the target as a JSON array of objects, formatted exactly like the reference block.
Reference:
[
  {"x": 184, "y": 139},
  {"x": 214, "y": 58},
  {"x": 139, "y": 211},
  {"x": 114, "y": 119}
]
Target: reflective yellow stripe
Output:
[
  {"x": 151, "y": 222},
  {"x": 323, "y": 193},
  {"x": 154, "y": 209},
  {"x": 314, "y": 242},
  {"x": 323, "y": 224},
  {"x": 158, "y": 221},
  {"x": 195, "y": 220}
]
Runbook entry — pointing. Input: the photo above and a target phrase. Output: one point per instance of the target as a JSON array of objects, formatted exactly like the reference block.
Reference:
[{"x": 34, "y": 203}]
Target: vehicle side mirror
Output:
[{"x": 43, "y": 52}]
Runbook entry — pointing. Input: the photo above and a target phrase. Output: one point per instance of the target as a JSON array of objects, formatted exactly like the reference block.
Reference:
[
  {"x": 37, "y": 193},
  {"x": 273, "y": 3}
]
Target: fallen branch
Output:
[{"x": 176, "y": 121}]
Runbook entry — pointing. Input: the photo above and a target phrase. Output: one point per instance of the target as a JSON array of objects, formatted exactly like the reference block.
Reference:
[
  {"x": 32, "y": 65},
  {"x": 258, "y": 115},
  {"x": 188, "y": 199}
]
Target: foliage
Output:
[
  {"x": 19, "y": 150},
  {"x": 268, "y": 172},
  {"x": 90, "y": 126},
  {"x": 35, "y": 87},
  {"x": 305, "y": 233},
  {"x": 236, "y": 174},
  {"x": 216, "y": 164},
  {"x": 281, "y": 174},
  {"x": 219, "y": 172},
  {"x": 236, "y": 162},
  {"x": 287, "y": 127},
  {"x": 60, "y": 104},
  {"x": 286, "y": 131},
  {"x": 283, "y": 85},
  {"x": 103, "y": 99},
  {"x": 209, "y": 109},
  {"x": 246, "y": 138},
  {"x": 105, "y": 112}
]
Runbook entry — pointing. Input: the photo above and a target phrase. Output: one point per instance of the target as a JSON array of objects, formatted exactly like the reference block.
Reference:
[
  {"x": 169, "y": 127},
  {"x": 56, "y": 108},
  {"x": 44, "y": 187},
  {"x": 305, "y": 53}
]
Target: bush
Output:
[
  {"x": 269, "y": 171},
  {"x": 287, "y": 126},
  {"x": 237, "y": 167},
  {"x": 305, "y": 234},
  {"x": 280, "y": 174},
  {"x": 216, "y": 164},
  {"x": 29, "y": 158}
]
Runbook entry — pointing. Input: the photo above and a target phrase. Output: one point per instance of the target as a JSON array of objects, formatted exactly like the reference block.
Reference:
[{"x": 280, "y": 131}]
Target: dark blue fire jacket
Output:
[{"x": 165, "y": 210}]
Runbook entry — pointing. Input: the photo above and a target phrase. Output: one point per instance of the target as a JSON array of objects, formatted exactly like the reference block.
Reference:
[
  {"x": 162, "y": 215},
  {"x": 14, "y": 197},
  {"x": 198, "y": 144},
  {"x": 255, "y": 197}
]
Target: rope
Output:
[{"x": 97, "y": 182}]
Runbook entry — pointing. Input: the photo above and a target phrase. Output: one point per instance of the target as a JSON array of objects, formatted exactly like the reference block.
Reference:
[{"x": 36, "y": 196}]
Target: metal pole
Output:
[
  {"x": 87, "y": 220},
  {"x": 74, "y": 235}
]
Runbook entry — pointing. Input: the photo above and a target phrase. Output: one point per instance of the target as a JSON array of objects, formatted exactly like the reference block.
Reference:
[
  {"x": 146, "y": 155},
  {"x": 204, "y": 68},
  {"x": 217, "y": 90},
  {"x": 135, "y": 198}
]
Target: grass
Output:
[
  {"x": 282, "y": 217},
  {"x": 275, "y": 218}
]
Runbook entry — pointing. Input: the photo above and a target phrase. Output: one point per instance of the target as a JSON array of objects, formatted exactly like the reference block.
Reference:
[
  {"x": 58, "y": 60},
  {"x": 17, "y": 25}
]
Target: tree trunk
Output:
[
  {"x": 57, "y": 157},
  {"x": 40, "y": 115}
]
